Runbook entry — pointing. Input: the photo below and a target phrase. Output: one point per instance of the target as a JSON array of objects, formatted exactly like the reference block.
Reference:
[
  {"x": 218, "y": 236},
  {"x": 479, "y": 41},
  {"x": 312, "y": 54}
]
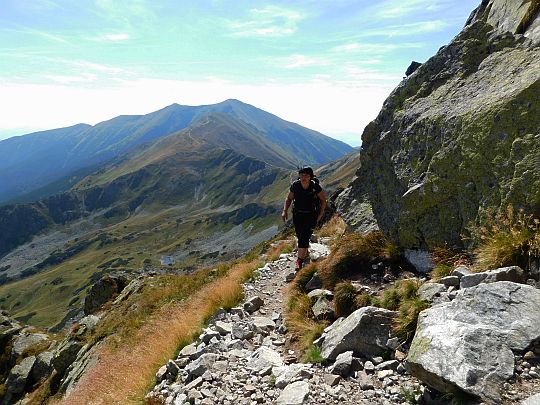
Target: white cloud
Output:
[
  {"x": 116, "y": 37},
  {"x": 400, "y": 8},
  {"x": 299, "y": 61},
  {"x": 328, "y": 107},
  {"x": 63, "y": 79},
  {"x": 270, "y": 21},
  {"x": 422, "y": 27}
]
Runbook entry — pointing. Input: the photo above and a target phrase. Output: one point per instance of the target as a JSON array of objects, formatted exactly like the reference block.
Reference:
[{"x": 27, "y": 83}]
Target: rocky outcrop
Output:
[
  {"x": 468, "y": 343},
  {"x": 104, "y": 290},
  {"x": 458, "y": 135}
]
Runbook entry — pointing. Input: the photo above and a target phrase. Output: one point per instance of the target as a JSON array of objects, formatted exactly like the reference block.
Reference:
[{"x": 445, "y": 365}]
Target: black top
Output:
[{"x": 304, "y": 200}]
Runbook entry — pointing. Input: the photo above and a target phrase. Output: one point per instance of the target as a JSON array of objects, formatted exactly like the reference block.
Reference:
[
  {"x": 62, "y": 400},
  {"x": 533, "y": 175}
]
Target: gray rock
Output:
[
  {"x": 319, "y": 292},
  {"x": 513, "y": 273},
  {"x": 342, "y": 365},
  {"x": 253, "y": 304},
  {"x": 323, "y": 309},
  {"x": 315, "y": 283},
  {"x": 461, "y": 271},
  {"x": 86, "y": 358},
  {"x": 26, "y": 341},
  {"x": 19, "y": 375},
  {"x": 263, "y": 358},
  {"x": 421, "y": 260},
  {"x": 43, "y": 366},
  {"x": 286, "y": 374},
  {"x": 294, "y": 393},
  {"x": 365, "y": 331},
  {"x": 204, "y": 363},
  {"x": 532, "y": 400},
  {"x": 387, "y": 365},
  {"x": 104, "y": 290},
  {"x": 430, "y": 292},
  {"x": 223, "y": 327},
  {"x": 263, "y": 324},
  {"x": 450, "y": 281},
  {"x": 65, "y": 355},
  {"x": 468, "y": 342}
]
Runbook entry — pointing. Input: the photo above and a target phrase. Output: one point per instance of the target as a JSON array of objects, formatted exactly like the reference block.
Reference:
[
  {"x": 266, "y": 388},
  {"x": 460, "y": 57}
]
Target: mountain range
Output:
[
  {"x": 195, "y": 185},
  {"x": 44, "y": 163}
]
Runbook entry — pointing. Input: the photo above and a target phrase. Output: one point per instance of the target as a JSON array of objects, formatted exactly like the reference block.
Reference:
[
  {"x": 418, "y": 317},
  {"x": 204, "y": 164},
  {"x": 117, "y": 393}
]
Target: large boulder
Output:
[
  {"x": 513, "y": 273},
  {"x": 365, "y": 331},
  {"x": 457, "y": 136},
  {"x": 104, "y": 290},
  {"x": 467, "y": 344},
  {"x": 19, "y": 376}
]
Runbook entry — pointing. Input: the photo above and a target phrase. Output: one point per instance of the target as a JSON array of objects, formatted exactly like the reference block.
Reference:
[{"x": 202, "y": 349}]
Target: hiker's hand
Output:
[{"x": 284, "y": 215}]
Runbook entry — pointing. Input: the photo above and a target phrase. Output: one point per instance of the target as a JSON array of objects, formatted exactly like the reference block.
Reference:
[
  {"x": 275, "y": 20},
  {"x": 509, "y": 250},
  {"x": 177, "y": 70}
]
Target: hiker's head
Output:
[{"x": 306, "y": 170}]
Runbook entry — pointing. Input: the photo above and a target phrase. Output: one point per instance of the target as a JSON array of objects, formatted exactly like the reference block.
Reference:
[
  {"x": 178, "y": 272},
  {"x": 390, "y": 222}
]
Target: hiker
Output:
[{"x": 308, "y": 209}]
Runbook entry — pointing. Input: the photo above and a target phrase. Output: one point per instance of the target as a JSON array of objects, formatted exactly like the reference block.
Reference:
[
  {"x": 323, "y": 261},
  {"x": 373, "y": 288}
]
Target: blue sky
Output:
[{"x": 327, "y": 65}]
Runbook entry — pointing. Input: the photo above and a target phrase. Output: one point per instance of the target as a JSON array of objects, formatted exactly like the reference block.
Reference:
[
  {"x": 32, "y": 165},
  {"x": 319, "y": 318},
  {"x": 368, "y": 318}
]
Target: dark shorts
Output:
[{"x": 303, "y": 226}]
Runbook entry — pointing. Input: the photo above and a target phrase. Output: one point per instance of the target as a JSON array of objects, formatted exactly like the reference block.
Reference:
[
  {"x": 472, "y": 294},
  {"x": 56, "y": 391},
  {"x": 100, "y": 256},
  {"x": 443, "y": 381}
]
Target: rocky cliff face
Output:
[{"x": 458, "y": 135}]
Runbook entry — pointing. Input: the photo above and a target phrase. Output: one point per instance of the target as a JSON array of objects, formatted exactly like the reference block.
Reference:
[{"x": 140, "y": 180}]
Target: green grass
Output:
[
  {"x": 344, "y": 299},
  {"x": 313, "y": 355}
]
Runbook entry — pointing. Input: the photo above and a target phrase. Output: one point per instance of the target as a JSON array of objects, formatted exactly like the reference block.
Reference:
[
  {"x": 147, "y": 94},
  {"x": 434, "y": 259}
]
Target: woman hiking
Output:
[{"x": 306, "y": 195}]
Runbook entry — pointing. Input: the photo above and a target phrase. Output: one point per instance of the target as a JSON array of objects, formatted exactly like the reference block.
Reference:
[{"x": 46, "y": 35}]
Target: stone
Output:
[
  {"x": 365, "y": 381},
  {"x": 450, "y": 281},
  {"x": 294, "y": 394},
  {"x": 365, "y": 331},
  {"x": 286, "y": 374},
  {"x": 320, "y": 292},
  {"x": 223, "y": 327},
  {"x": 387, "y": 365},
  {"x": 468, "y": 342},
  {"x": 263, "y": 358},
  {"x": 43, "y": 366},
  {"x": 104, "y": 290},
  {"x": 532, "y": 400},
  {"x": 264, "y": 324},
  {"x": 461, "y": 271},
  {"x": 26, "y": 341},
  {"x": 513, "y": 273},
  {"x": 65, "y": 355},
  {"x": 421, "y": 260},
  {"x": 199, "y": 366},
  {"x": 331, "y": 379},
  {"x": 253, "y": 304},
  {"x": 342, "y": 365},
  {"x": 19, "y": 375},
  {"x": 315, "y": 283},
  {"x": 430, "y": 292},
  {"x": 323, "y": 309}
]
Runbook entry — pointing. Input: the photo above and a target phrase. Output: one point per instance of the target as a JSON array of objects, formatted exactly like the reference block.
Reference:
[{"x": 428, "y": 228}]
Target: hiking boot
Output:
[{"x": 299, "y": 263}]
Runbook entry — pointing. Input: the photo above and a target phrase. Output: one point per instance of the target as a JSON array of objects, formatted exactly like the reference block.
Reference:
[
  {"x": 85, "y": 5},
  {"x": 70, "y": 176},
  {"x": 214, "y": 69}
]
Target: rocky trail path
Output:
[{"x": 244, "y": 356}]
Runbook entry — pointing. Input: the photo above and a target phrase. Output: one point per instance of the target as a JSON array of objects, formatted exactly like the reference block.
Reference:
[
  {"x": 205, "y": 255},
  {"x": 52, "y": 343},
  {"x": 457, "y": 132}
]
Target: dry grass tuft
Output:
[
  {"x": 334, "y": 228},
  {"x": 300, "y": 322},
  {"x": 355, "y": 253},
  {"x": 507, "y": 238},
  {"x": 304, "y": 275},
  {"x": 126, "y": 369},
  {"x": 285, "y": 246},
  {"x": 344, "y": 299}
]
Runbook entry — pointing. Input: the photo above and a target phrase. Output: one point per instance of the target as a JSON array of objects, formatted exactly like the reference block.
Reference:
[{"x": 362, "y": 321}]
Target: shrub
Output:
[
  {"x": 506, "y": 238},
  {"x": 304, "y": 275},
  {"x": 354, "y": 253},
  {"x": 403, "y": 298},
  {"x": 300, "y": 322},
  {"x": 363, "y": 300},
  {"x": 407, "y": 319},
  {"x": 440, "y": 271},
  {"x": 344, "y": 299},
  {"x": 314, "y": 355},
  {"x": 334, "y": 228}
]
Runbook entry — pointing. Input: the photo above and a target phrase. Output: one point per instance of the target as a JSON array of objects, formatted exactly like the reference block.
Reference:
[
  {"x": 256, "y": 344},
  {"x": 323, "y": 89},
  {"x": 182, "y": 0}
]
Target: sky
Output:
[{"x": 325, "y": 64}]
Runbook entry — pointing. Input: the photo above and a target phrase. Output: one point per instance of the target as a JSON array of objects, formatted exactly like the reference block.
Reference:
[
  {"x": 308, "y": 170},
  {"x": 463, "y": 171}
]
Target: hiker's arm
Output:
[
  {"x": 286, "y": 205},
  {"x": 322, "y": 197}
]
